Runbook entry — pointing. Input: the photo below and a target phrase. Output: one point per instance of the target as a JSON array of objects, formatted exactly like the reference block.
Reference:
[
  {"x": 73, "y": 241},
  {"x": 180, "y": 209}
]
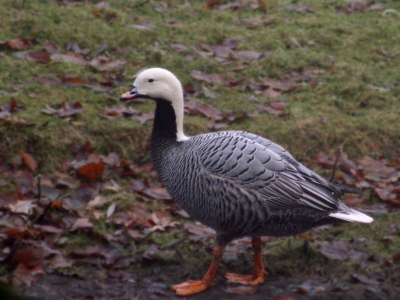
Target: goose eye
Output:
[{"x": 150, "y": 80}]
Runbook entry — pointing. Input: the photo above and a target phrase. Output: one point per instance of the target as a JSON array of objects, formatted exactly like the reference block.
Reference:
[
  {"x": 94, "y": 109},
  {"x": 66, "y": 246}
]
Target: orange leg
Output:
[
  {"x": 258, "y": 271},
  {"x": 191, "y": 287}
]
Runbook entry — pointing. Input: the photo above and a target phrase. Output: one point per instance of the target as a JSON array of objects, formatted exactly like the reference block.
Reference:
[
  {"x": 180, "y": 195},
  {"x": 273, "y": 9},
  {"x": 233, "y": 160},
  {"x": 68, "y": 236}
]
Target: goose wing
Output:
[
  {"x": 257, "y": 164},
  {"x": 337, "y": 189}
]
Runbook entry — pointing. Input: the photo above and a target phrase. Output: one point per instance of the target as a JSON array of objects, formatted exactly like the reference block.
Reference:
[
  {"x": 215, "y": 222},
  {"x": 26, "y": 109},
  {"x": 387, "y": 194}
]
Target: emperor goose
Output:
[{"x": 235, "y": 182}]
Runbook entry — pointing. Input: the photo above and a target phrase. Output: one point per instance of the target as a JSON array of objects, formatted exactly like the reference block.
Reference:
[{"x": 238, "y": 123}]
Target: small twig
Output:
[
  {"x": 270, "y": 270},
  {"x": 339, "y": 154},
  {"x": 41, "y": 217},
  {"x": 339, "y": 106},
  {"x": 39, "y": 189},
  {"x": 178, "y": 252},
  {"x": 306, "y": 248},
  {"x": 140, "y": 4},
  {"x": 173, "y": 244},
  {"x": 342, "y": 108},
  {"x": 333, "y": 277}
]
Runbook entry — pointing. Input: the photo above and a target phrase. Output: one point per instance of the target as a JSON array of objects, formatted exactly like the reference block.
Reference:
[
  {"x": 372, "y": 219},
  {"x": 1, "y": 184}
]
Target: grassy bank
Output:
[
  {"x": 333, "y": 66},
  {"x": 352, "y": 102}
]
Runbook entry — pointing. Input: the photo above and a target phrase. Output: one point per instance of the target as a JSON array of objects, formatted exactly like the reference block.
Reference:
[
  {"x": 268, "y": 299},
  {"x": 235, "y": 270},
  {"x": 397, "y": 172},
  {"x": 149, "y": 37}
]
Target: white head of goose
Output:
[
  {"x": 163, "y": 87},
  {"x": 236, "y": 182}
]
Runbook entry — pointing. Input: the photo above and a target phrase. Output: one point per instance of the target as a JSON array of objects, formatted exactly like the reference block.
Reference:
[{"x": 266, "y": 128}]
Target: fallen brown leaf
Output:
[
  {"x": 278, "y": 85},
  {"x": 376, "y": 6},
  {"x": 364, "y": 280},
  {"x": 93, "y": 252},
  {"x": 232, "y": 43},
  {"x": 27, "y": 276},
  {"x": 73, "y": 79},
  {"x": 29, "y": 256},
  {"x": 51, "y": 48},
  {"x": 134, "y": 234},
  {"x": 10, "y": 107},
  {"x": 134, "y": 216},
  {"x": 118, "y": 111},
  {"x": 179, "y": 48},
  {"x": 234, "y": 5},
  {"x": 388, "y": 193},
  {"x": 157, "y": 193},
  {"x": 275, "y": 108},
  {"x": 91, "y": 170},
  {"x": 196, "y": 107},
  {"x": 110, "y": 16},
  {"x": 200, "y": 231},
  {"x": 42, "y": 57},
  {"x": 171, "y": 21},
  {"x": 82, "y": 223},
  {"x": 270, "y": 93},
  {"x": 47, "y": 229},
  {"x": 112, "y": 159},
  {"x": 22, "y": 207},
  {"x": 161, "y": 217},
  {"x": 151, "y": 252},
  {"x": 69, "y": 58},
  {"x": 211, "y": 4},
  {"x": 310, "y": 287},
  {"x": 334, "y": 253},
  {"x": 98, "y": 201},
  {"x": 102, "y": 4},
  {"x": 23, "y": 178},
  {"x": 29, "y": 160},
  {"x": 248, "y": 56},
  {"x": 104, "y": 63},
  {"x": 209, "y": 78},
  {"x": 17, "y": 44},
  {"x": 223, "y": 52},
  {"x": 68, "y": 109}
]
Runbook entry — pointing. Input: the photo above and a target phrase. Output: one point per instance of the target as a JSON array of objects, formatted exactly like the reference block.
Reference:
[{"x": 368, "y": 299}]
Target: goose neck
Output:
[
  {"x": 165, "y": 125},
  {"x": 168, "y": 121}
]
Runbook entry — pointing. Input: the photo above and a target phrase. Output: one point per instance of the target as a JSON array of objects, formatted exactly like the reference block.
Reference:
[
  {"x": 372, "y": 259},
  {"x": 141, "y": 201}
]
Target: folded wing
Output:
[{"x": 257, "y": 164}]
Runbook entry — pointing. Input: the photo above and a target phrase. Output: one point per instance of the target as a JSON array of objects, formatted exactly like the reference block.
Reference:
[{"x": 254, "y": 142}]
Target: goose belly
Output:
[{"x": 216, "y": 203}]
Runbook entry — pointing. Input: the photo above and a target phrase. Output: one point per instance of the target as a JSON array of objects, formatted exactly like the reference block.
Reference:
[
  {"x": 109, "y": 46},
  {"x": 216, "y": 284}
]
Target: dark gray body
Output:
[{"x": 241, "y": 184}]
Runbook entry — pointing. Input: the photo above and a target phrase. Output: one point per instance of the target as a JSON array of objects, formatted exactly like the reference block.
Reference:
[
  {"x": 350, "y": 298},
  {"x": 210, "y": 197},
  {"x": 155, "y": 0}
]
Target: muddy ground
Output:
[{"x": 54, "y": 287}]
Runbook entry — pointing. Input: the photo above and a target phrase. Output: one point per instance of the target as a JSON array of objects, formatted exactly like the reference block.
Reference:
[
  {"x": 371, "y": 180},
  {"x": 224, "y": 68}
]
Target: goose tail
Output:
[{"x": 350, "y": 215}]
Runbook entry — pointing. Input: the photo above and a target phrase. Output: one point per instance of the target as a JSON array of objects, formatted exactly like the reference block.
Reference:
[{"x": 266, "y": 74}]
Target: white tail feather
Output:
[{"x": 352, "y": 216}]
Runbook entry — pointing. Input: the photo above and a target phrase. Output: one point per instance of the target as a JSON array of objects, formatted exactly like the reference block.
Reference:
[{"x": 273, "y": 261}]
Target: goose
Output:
[{"x": 238, "y": 183}]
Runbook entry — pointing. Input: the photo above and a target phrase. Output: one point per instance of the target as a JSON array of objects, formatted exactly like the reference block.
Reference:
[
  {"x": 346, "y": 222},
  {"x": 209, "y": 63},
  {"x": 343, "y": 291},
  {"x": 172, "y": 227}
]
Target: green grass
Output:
[
  {"x": 312, "y": 261},
  {"x": 353, "y": 41}
]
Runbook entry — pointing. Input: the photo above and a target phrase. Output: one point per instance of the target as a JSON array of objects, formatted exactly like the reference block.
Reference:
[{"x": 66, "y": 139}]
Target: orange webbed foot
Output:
[
  {"x": 246, "y": 279},
  {"x": 190, "y": 287}
]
